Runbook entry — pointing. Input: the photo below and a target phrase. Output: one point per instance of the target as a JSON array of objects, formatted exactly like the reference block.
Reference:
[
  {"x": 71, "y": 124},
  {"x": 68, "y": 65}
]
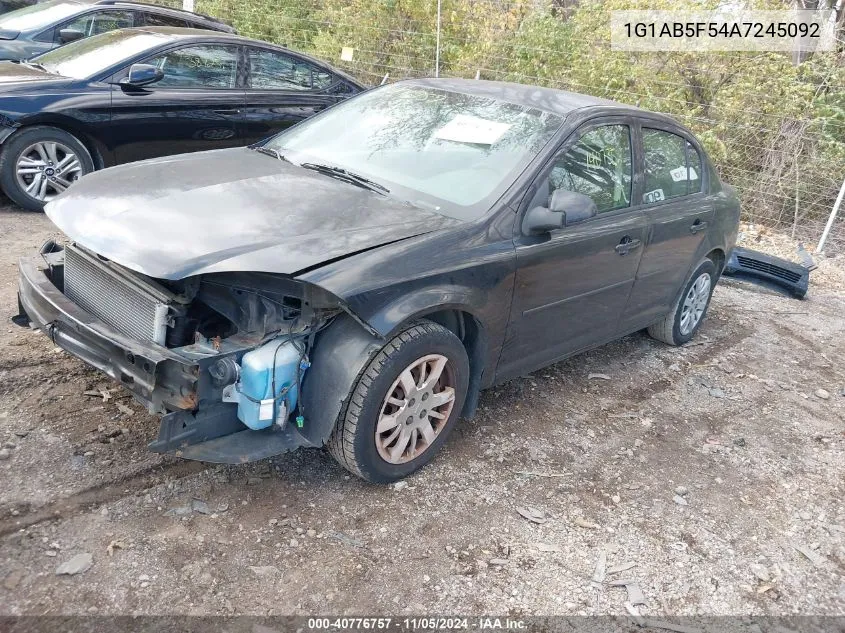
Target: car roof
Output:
[{"x": 559, "y": 102}]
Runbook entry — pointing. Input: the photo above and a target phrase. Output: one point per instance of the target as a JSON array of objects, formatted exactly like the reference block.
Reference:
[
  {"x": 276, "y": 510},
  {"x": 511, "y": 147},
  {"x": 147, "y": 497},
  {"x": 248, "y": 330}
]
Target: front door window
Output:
[{"x": 599, "y": 165}]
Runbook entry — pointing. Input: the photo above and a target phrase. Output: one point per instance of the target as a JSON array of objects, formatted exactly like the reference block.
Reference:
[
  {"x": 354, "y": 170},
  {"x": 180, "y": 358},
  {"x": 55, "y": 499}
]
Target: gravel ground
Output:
[{"x": 717, "y": 471}]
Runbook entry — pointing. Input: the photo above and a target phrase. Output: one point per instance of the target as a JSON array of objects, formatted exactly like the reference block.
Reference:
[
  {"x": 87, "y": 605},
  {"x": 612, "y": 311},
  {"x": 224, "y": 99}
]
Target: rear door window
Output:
[
  {"x": 599, "y": 165},
  {"x": 204, "y": 66},
  {"x": 672, "y": 166},
  {"x": 273, "y": 70}
]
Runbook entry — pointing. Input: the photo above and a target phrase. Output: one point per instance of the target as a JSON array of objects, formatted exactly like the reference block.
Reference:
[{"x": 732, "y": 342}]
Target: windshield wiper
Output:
[
  {"x": 270, "y": 152},
  {"x": 348, "y": 176}
]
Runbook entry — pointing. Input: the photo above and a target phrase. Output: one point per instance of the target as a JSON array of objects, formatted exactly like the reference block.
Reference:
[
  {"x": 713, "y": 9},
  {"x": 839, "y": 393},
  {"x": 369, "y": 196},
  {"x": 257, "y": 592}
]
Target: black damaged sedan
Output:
[{"x": 355, "y": 281}]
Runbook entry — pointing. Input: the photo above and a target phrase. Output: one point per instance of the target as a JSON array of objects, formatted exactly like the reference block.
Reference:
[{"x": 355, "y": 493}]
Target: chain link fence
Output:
[{"x": 774, "y": 127}]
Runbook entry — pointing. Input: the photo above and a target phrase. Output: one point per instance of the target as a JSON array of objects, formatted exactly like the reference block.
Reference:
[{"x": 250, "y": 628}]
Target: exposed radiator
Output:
[{"x": 109, "y": 293}]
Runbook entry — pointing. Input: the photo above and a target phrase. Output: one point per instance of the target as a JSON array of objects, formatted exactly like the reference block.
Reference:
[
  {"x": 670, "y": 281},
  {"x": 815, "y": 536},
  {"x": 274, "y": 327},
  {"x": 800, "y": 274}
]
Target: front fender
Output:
[
  {"x": 339, "y": 356},
  {"x": 390, "y": 318}
]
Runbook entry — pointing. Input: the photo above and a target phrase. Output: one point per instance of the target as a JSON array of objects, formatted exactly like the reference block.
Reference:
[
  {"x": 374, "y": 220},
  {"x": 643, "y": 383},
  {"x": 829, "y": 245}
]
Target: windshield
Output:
[
  {"x": 38, "y": 15},
  {"x": 85, "y": 58},
  {"x": 451, "y": 152}
]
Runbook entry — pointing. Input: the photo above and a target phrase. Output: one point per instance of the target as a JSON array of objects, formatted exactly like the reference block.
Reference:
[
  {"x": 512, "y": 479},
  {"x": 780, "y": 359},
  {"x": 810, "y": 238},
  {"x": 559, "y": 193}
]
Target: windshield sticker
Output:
[
  {"x": 653, "y": 196},
  {"x": 470, "y": 129}
]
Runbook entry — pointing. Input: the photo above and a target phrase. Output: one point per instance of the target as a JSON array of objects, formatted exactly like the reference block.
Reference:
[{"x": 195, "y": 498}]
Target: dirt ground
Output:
[{"x": 716, "y": 470}]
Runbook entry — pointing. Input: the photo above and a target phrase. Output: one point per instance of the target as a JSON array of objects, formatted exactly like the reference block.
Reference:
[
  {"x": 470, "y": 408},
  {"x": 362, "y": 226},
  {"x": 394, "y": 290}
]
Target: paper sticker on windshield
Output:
[
  {"x": 653, "y": 196},
  {"x": 470, "y": 129}
]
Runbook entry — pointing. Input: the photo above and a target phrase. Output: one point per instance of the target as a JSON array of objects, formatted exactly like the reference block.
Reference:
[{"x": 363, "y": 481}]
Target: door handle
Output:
[
  {"x": 627, "y": 245},
  {"x": 232, "y": 111},
  {"x": 697, "y": 226}
]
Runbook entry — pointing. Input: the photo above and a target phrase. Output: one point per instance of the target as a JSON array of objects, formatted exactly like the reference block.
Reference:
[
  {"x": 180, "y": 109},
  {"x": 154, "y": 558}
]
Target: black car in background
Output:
[
  {"x": 127, "y": 95},
  {"x": 37, "y": 29}
]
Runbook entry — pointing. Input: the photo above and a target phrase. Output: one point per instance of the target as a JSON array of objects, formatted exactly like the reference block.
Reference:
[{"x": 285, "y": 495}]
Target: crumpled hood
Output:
[{"x": 228, "y": 210}]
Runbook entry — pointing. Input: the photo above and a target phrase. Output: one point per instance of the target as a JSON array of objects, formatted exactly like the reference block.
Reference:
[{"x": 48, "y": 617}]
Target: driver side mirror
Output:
[
  {"x": 66, "y": 36},
  {"x": 565, "y": 209},
  {"x": 142, "y": 75}
]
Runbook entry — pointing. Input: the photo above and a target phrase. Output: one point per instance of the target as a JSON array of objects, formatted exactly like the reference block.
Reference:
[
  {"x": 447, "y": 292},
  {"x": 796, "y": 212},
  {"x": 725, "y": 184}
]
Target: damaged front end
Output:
[{"x": 222, "y": 356}]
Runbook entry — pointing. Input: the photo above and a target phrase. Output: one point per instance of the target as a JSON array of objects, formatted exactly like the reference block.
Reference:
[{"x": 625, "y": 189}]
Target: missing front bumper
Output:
[
  {"x": 157, "y": 377},
  {"x": 154, "y": 375}
]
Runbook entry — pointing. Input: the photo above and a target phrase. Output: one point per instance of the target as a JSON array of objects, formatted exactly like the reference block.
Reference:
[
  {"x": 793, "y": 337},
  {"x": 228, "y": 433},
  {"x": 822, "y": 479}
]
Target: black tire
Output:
[
  {"x": 668, "y": 330},
  {"x": 18, "y": 143},
  {"x": 353, "y": 443}
]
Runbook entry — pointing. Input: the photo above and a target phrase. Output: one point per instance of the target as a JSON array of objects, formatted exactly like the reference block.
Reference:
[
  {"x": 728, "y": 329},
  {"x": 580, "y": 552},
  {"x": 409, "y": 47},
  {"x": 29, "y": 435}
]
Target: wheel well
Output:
[
  {"x": 467, "y": 328},
  {"x": 717, "y": 256},
  {"x": 83, "y": 138}
]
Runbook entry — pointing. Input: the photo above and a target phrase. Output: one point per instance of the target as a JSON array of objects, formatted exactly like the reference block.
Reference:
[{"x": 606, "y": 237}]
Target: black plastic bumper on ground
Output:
[
  {"x": 745, "y": 262},
  {"x": 150, "y": 372}
]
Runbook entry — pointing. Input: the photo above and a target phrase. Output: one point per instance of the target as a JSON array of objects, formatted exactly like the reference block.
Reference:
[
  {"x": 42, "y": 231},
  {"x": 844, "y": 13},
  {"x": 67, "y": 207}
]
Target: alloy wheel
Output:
[
  {"x": 416, "y": 409},
  {"x": 45, "y": 169},
  {"x": 695, "y": 303}
]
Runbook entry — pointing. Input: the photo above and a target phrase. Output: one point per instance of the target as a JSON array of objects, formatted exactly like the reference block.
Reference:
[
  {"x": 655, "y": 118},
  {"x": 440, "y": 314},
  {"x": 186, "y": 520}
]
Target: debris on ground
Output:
[
  {"x": 635, "y": 594},
  {"x": 814, "y": 557},
  {"x": 598, "y": 376},
  {"x": 113, "y": 546},
  {"x": 601, "y": 569},
  {"x": 545, "y": 547},
  {"x": 347, "y": 540},
  {"x": 589, "y": 525},
  {"x": 76, "y": 565},
  {"x": 200, "y": 506},
  {"x": 532, "y": 514},
  {"x": 617, "y": 569}
]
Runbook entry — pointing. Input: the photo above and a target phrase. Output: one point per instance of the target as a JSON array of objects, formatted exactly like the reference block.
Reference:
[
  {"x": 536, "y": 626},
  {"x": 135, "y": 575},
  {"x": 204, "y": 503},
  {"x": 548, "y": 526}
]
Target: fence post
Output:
[
  {"x": 832, "y": 217},
  {"x": 188, "y": 5},
  {"x": 437, "y": 45}
]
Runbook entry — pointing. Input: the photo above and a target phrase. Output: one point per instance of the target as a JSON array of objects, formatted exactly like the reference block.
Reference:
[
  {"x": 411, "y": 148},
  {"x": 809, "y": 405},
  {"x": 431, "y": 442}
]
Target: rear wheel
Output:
[
  {"x": 404, "y": 405},
  {"x": 39, "y": 163},
  {"x": 690, "y": 308}
]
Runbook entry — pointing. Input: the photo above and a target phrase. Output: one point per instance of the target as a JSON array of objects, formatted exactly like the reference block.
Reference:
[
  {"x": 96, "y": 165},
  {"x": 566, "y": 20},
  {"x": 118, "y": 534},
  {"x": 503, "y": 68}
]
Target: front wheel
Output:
[
  {"x": 39, "y": 163},
  {"x": 680, "y": 325},
  {"x": 404, "y": 405}
]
